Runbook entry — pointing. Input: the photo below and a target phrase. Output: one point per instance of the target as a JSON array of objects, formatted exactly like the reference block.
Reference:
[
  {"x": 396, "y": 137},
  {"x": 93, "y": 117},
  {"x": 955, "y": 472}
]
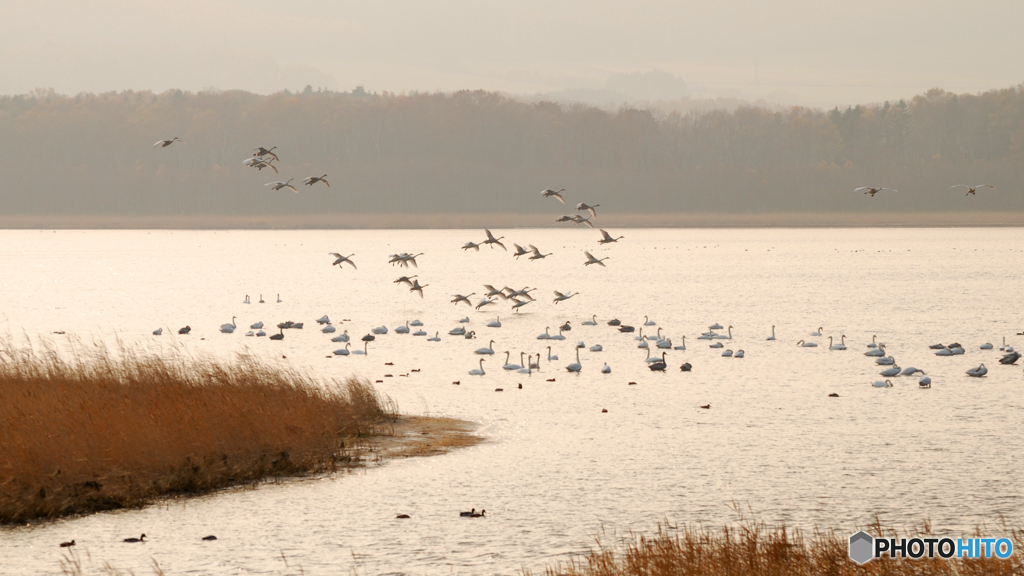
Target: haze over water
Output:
[{"x": 555, "y": 469}]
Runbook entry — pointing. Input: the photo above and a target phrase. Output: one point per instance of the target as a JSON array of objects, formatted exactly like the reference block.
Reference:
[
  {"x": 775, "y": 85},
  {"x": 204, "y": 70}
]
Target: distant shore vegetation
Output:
[
  {"x": 95, "y": 428},
  {"x": 477, "y": 152}
]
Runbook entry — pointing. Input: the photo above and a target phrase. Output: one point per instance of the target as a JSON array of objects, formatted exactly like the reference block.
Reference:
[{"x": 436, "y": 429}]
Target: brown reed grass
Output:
[
  {"x": 116, "y": 428},
  {"x": 755, "y": 548}
]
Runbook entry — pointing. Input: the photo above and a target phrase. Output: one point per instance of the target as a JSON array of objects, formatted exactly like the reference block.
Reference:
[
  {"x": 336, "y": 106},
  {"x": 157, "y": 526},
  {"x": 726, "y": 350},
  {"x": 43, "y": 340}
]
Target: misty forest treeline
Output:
[{"x": 482, "y": 152}]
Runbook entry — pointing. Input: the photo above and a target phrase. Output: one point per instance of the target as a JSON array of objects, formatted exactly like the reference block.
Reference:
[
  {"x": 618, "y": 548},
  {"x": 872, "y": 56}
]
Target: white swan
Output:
[
  {"x": 873, "y": 344},
  {"x": 882, "y": 384},
  {"x": 885, "y": 361},
  {"x": 575, "y": 366},
  {"x": 416, "y": 323},
  {"x": 727, "y": 353},
  {"x": 772, "y": 337},
  {"x": 341, "y": 337},
  {"x": 323, "y": 320},
  {"x": 643, "y": 345},
  {"x": 403, "y": 329},
  {"x": 158, "y": 331},
  {"x": 246, "y": 301},
  {"x": 840, "y": 346},
  {"x": 818, "y": 333},
  {"x": 681, "y": 346},
  {"x": 550, "y": 356},
  {"x": 925, "y": 382},
  {"x": 528, "y": 369},
  {"x": 364, "y": 350},
  {"x": 507, "y": 366},
  {"x": 910, "y": 370},
  {"x": 460, "y": 331},
  {"x": 943, "y": 352},
  {"x": 890, "y": 372},
  {"x": 739, "y": 354},
  {"x": 986, "y": 346},
  {"x": 478, "y": 371},
  {"x": 328, "y": 329},
  {"x": 807, "y": 344},
  {"x": 380, "y": 330},
  {"x": 724, "y": 337},
  {"x": 606, "y": 369},
  {"x": 228, "y": 328},
  {"x": 720, "y": 345},
  {"x": 488, "y": 350},
  {"x": 419, "y": 333},
  {"x": 496, "y": 323},
  {"x": 342, "y": 351},
  {"x": 434, "y": 338},
  {"x": 879, "y": 351},
  {"x": 558, "y": 336},
  {"x": 591, "y": 322},
  {"x": 278, "y": 185},
  {"x": 592, "y": 260},
  {"x": 257, "y": 325},
  {"x": 596, "y": 348},
  {"x": 649, "y": 322},
  {"x": 978, "y": 372}
]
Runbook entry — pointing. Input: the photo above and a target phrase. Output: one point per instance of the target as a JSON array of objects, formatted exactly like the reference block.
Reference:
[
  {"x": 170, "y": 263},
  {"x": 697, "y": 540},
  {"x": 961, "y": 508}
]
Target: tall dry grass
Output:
[
  {"x": 754, "y": 548},
  {"x": 89, "y": 428}
]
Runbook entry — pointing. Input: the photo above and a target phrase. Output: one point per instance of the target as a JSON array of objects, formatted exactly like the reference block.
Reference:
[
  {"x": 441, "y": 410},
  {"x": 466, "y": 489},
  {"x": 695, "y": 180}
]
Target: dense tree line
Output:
[{"x": 476, "y": 151}]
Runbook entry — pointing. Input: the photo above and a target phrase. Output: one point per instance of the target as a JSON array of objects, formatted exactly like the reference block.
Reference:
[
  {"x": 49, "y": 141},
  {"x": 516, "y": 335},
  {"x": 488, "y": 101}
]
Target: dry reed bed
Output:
[
  {"x": 753, "y": 548},
  {"x": 109, "y": 429}
]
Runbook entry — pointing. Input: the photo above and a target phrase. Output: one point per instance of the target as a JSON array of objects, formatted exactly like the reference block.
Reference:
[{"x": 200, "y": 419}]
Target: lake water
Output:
[{"x": 555, "y": 469}]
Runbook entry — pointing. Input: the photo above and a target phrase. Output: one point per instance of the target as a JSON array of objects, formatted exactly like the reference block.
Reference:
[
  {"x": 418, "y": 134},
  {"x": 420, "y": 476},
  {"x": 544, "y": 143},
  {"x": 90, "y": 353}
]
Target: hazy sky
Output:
[{"x": 818, "y": 53}]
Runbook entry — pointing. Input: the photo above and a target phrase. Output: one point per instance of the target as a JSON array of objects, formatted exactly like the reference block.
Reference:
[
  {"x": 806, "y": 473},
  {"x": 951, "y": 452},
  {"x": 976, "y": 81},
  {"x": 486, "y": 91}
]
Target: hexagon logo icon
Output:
[{"x": 862, "y": 547}]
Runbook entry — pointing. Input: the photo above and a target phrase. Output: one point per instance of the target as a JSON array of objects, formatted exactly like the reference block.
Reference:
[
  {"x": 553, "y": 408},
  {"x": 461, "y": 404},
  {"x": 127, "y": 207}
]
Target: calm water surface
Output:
[{"x": 554, "y": 468}]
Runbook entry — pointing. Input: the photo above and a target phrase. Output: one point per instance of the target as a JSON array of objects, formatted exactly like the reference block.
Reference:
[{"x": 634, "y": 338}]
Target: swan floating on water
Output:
[{"x": 978, "y": 372}]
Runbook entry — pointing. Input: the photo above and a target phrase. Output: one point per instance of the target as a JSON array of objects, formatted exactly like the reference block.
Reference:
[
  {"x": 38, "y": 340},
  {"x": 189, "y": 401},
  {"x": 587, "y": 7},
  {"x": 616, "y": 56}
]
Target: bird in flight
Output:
[
  {"x": 559, "y": 296},
  {"x": 472, "y": 245},
  {"x": 166, "y": 143},
  {"x": 417, "y": 288},
  {"x": 492, "y": 240},
  {"x": 592, "y": 260},
  {"x": 460, "y": 298},
  {"x": 606, "y": 238},
  {"x": 520, "y": 251},
  {"x": 314, "y": 179},
  {"x": 971, "y": 189},
  {"x": 405, "y": 280},
  {"x": 872, "y": 191},
  {"x": 260, "y": 151},
  {"x": 279, "y": 185},
  {"x": 536, "y": 253},
  {"x": 260, "y": 163},
  {"x": 342, "y": 259},
  {"x": 584, "y": 206},
  {"x": 549, "y": 192}
]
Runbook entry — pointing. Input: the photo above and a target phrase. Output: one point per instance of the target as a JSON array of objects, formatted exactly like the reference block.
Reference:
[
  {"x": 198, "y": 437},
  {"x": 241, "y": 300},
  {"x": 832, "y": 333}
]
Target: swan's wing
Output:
[
  {"x": 889, "y": 189},
  {"x": 959, "y": 186},
  {"x": 273, "y": 183},
  {"x": 862, "y": 188},
  {"x": 985, "y": 186},
  {"x": 269, "y": 153},
  {"x": 326, "y": 182},
  {"x": 352, "y": 263},
  {"x": 498, "y": 242},
  {"x": 308, "y": 180},
  {"x": 559, "y": 196},
  {"x": 292, "y": 187},
  {"x": 589, "y": 255},
  {"x": 534, "y": 249}
]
